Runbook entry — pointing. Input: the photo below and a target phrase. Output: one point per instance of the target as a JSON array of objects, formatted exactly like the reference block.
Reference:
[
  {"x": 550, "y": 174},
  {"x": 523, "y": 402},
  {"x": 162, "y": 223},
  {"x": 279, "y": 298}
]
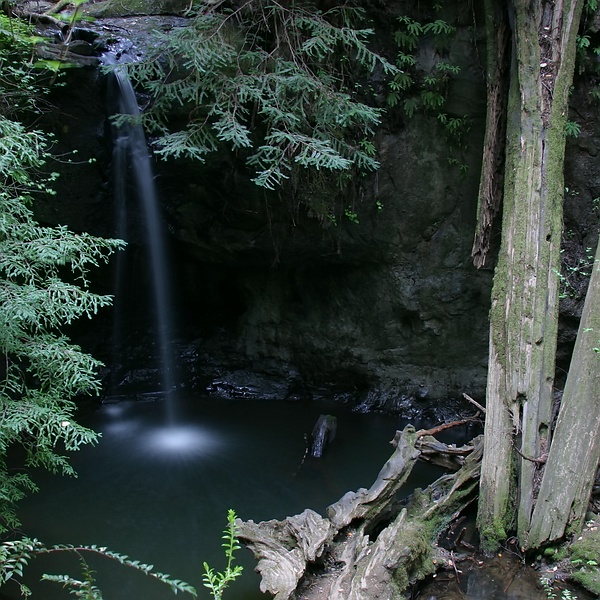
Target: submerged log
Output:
[
  {"x": 371, "y": 545},
  {"x": 323, "y": 433}
]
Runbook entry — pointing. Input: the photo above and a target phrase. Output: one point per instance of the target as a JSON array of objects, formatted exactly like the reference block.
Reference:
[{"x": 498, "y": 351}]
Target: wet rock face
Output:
[
  {"x": 387, "y": 308},
  {"x": 272, "y": 303},
  {"x": 378, "y": 311}
]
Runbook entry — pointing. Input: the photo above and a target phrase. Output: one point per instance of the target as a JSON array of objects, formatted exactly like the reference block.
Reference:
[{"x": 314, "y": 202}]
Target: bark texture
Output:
[
  {"x": 524, "y": 311},
  {"x": 573, "y": 459},
  {"x": 492, "y": 177}
]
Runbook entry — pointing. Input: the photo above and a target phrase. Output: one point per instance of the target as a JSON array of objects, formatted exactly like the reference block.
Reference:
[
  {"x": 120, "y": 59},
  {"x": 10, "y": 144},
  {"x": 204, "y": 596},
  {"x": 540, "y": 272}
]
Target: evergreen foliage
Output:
[
  {"x": 18, "y": 81},
  {"x": 276, "y": 82},
  {"x": 413, "y": 89},
  {"x": 43, "y": 287},
  {"x": 422, "y": 86}
]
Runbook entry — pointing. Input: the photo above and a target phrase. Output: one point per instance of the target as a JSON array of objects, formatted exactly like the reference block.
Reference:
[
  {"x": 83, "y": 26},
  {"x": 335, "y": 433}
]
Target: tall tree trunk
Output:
[
  {"x": 573, "y": 459},
  {"x": 524, "y": 311},
  {"x": 497, "y": 37}
]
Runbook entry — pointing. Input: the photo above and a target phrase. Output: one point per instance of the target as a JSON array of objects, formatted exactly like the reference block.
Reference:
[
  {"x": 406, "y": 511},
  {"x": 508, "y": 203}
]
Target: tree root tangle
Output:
[{"x": 371, "y": 544}]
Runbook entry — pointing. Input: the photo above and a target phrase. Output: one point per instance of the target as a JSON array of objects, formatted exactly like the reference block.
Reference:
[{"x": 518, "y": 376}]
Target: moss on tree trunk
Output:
[
  {"x": 573, "y": 459},
  {"x": 524, "y": 311}
]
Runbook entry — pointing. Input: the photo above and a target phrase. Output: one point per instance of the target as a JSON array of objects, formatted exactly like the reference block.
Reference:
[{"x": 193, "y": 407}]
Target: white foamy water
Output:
[{"x": 182, "y": 440}]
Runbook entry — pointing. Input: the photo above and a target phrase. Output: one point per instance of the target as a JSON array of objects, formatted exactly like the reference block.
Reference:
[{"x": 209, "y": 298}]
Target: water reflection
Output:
[
  {"x": 504, "y": 577},
  {"x": 181, "y": 441}
]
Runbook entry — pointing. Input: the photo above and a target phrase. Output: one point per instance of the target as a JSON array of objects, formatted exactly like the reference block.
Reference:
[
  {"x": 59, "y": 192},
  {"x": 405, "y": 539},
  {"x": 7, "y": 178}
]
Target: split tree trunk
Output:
[
  {"x": 573, "y": 459},
  {"x": 524, "y": 311}
]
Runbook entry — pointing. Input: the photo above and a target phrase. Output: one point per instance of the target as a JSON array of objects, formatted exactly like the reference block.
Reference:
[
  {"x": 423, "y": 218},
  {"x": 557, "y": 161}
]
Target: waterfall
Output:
[{"x": 131, "y": 155}]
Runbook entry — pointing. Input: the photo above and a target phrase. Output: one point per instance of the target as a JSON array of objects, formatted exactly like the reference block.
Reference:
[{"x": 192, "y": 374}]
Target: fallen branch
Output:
[
  {"x": 444, "y": 426},
  {"x": 41, "y": 19},
  {"x": 474, "y": 402},
  {"x": 58, "y": 7}
]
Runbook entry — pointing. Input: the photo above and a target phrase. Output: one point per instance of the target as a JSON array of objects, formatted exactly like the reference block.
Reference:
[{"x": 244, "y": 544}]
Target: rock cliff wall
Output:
[{"x": 273, "y": 303}]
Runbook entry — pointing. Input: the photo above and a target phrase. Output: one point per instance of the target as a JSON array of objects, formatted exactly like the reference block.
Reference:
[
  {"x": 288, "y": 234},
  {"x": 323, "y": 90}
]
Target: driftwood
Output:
[
  {"x": 371, "y": 544},
  {"x": 373, "y": 504},
  {"x": 284, "y": 548},
  {"x": 447, "y": 456}
]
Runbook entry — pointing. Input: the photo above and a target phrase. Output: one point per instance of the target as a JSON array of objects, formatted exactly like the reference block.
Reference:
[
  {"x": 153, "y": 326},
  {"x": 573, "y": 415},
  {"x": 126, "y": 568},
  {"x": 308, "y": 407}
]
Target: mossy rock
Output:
[
  {"x": 585, "y": 557},
  {"x": 129, "y": 8}
]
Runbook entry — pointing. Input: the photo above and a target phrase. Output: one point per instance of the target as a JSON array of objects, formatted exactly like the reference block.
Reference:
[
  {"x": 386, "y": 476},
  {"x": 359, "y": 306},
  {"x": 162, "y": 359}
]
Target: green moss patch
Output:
[
  {"x": 585, "y": 557},
  {"x": 125, "y": 8}
]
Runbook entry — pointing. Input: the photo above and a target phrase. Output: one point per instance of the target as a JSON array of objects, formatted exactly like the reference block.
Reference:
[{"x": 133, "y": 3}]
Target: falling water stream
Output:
[{"x": 131, "y": 149}]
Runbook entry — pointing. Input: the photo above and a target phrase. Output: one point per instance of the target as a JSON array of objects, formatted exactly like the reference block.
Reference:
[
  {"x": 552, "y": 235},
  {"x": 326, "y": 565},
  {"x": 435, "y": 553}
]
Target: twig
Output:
[
  {"x": 454, "y": 566},
  {"x": 540, "y": 460},
  {"x": 474, "y": 402},
  {"x": 444, "y": 426}
]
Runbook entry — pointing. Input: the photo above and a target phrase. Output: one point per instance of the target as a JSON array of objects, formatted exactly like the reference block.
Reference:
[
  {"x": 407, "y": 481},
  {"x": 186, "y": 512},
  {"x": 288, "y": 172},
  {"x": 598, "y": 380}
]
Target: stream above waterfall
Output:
[{"x": 160, "y": 493}]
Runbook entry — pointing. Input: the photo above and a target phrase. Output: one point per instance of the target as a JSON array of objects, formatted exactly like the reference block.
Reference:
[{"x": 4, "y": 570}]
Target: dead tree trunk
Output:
[
  {"x": 523, "y": 316},
  {"x": 492, "y": 169},
  {"x": 573, "y": 459}
]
